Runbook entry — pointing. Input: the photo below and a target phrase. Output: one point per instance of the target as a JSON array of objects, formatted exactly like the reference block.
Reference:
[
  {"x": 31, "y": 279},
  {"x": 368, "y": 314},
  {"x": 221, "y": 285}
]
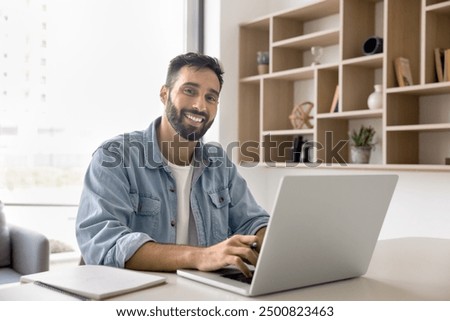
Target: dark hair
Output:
[{"x": 196, "y": 60}]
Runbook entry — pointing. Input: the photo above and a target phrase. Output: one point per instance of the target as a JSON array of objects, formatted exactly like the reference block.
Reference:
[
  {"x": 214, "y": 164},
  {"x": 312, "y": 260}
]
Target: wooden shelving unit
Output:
[{"x": 414, "y": 120}]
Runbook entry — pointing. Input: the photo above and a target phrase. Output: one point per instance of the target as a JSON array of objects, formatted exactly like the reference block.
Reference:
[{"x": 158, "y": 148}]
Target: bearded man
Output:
[{"x": 160, "y": 199}]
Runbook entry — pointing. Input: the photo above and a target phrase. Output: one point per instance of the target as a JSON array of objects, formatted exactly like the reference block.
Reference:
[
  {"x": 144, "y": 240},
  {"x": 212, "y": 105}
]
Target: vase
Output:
[
  {"x": 360, "y": 154},
  {"x": 375, "y": 100}
]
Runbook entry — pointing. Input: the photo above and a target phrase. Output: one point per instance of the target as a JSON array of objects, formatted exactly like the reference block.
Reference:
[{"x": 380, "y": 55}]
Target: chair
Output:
[{"x": 22, "y": 251}]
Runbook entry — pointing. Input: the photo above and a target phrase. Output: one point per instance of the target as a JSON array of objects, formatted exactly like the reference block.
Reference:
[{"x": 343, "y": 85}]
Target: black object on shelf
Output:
[
  {"x": 301, "y": 150},
  {"x": 373, "y": 45}
]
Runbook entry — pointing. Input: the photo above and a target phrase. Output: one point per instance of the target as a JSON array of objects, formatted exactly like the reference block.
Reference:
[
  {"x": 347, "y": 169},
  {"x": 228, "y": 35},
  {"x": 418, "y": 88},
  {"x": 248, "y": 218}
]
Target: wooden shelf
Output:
[
  {"x": 442, "y": 8},
  {"x": 252, "y": 79},
  {"x": 312, "y": 11},
  {"x": 374, "y": 61},
  {"x": 439, "y": 88},
  {"x": 358, "y": 114},
  {"x": 293, "y": 74},
  {"x": 412, "y": 117},
  {"x": 419, "y": 128},
  {"x": 320, "y": 38},
  {"x": 288, "y": 132},
  {"x": 363, "y": 167}
]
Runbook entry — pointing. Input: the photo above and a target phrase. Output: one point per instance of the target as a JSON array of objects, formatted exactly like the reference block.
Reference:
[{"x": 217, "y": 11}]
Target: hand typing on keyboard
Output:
[{"x": 236, "y": 251}]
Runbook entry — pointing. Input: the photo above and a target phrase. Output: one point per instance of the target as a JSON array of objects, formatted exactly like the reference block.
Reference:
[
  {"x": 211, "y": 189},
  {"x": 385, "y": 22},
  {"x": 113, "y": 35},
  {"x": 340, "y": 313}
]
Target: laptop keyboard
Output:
[{"x": 235, "y": 275}]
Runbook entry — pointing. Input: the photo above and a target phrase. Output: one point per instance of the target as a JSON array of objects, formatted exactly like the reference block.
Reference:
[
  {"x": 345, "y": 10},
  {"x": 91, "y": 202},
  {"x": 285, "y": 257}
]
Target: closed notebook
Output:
[{"x": 94, "y": 282}]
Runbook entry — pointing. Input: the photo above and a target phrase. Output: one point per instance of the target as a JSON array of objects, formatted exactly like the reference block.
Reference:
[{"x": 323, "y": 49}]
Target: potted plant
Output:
[
  {"x": 262, "y": 59},
  {"x": 362, "y": 144}
]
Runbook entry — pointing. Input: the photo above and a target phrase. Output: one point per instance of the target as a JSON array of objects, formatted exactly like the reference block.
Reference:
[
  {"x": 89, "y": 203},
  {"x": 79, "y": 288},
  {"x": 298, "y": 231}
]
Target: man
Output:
[{"x": 160, "y": 199}]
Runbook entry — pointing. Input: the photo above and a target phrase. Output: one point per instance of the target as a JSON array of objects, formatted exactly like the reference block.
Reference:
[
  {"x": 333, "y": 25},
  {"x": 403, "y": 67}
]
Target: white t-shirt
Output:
[{"x": 183, "y": 178}]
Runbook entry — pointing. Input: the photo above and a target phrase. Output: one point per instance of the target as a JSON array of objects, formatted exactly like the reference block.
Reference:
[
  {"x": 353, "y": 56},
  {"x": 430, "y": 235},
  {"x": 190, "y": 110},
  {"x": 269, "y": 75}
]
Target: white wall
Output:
[{"x": 420, "y": 205}]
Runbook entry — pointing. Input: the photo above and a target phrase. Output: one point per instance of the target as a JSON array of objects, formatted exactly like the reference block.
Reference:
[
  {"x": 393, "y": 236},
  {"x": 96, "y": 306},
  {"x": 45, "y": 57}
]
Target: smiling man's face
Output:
[{"x": 191, "y": 104}]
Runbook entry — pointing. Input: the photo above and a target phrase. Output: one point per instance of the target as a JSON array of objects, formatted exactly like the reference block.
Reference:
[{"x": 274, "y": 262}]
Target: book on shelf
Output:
[
  {"x": 442, "y": 63},
  {"x": 447, "y": 65},
  {"x": 439, "y": 62},
  {"x": 335, "y": 103},
  {"x": 92, "y": 282},
  {"x": 403, "y": 71}
]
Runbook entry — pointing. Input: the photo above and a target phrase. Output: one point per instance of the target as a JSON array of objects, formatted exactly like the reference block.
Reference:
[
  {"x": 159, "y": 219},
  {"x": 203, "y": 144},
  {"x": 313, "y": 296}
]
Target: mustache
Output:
[{"x": 195, "y": 112}]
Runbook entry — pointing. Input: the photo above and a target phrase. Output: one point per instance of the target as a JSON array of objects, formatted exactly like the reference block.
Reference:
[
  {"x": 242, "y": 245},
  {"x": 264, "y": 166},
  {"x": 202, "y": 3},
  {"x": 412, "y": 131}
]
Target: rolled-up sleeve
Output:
[{"x": 105, "y": 208}]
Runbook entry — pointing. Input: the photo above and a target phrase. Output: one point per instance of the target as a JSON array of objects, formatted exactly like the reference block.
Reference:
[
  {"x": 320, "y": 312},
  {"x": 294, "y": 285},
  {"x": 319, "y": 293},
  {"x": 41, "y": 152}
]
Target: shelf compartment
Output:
[
  {"x": 402, "y": 147},
  {"x": 403, "y": 38},
  {"x": 293, "y": 23},
  {"x": 278, "y": 101},
  {"x": 329, "y": 133},
  {"x": 406, "y": 109},
  {"x": 321, "y": 38},
  {"x": 277, "y": 148},
  {"x": 327, "y": 81},
  {"x": 358, "y": 81},
  {"x": 333, "y": 138},
  {"x": 437, "y": 17},
  {"x": 294, "y": 53},
  {"x": 361, "y": 19},
  {"x": 249, "y": 113},
  {"x": 418, "y": 146},
  {"x": 279, "y": 97},
  {"x": 253, "y": 37}
]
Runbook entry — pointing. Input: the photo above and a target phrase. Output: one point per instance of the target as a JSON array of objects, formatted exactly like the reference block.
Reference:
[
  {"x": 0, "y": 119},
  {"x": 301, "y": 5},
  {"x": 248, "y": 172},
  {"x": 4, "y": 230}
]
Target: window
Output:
[{"x": 74, "y": 73}]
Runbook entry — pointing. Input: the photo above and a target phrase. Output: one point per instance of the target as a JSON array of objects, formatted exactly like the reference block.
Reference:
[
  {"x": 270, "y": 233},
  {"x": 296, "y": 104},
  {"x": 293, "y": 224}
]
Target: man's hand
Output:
[{"x": 235, "y": 251}]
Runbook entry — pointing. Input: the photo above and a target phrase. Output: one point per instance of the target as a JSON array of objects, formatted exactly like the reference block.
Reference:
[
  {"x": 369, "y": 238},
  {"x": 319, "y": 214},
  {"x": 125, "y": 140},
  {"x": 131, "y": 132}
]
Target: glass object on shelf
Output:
[{"x": 316, "y": 52}]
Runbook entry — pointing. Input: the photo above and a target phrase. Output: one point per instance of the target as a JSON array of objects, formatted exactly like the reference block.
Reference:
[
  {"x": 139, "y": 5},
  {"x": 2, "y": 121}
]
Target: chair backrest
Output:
[{"x": 5, "y": 242}]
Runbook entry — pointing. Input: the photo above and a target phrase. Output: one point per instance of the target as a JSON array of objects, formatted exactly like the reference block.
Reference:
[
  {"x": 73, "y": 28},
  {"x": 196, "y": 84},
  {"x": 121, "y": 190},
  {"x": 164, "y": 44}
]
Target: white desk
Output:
[{"x": 401, "y": 269}]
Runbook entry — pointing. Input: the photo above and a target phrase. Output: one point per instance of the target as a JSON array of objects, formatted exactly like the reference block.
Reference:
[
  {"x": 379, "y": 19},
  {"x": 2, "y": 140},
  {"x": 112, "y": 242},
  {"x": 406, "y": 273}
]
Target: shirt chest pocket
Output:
[
  {"x": 219, "y": 214},
  {"x": 148, "y": 206},
  {"x": 221, "y": 198}
]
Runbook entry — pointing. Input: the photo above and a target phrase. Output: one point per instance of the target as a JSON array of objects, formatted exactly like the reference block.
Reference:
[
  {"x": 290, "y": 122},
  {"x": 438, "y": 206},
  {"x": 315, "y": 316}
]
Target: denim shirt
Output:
[{"x": 129, "y": 198}]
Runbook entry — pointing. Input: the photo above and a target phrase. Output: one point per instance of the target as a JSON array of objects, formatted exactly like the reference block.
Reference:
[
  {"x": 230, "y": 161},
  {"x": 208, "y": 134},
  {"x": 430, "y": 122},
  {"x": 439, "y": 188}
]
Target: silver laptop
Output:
[{"x": 322, "y": 229}]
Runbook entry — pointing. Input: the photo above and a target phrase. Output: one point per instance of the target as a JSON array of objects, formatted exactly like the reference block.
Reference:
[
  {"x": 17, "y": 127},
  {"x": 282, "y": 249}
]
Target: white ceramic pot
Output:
[
  {"x": 375, "y": 100},
  {"x": 360, "y": 154}
]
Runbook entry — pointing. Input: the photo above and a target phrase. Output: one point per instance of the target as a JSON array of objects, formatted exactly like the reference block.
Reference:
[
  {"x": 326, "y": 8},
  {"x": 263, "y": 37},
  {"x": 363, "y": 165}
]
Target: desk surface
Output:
[{"x": 401, "y": 269}]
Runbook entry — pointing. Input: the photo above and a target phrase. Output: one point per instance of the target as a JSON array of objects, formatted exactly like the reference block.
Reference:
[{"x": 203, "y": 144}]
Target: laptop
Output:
[{"x": 322, "y": 229}]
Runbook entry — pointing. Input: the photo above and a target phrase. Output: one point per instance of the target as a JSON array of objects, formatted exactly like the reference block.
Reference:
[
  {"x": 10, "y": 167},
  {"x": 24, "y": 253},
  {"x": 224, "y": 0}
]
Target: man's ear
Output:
[{"x": 163, "y": 94}]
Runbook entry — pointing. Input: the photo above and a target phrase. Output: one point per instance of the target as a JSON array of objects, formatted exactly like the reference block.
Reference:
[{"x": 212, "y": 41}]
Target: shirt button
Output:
[
  {"x": 172, "y": 190},
  {"x": 221, "y": 199},
  {"x": 172, "y": 223}
]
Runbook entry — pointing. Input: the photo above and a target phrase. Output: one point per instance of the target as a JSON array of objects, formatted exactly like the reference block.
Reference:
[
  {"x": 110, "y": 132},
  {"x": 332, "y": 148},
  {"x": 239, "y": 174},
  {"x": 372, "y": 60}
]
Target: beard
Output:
[{"x": 188, "y": 132}]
